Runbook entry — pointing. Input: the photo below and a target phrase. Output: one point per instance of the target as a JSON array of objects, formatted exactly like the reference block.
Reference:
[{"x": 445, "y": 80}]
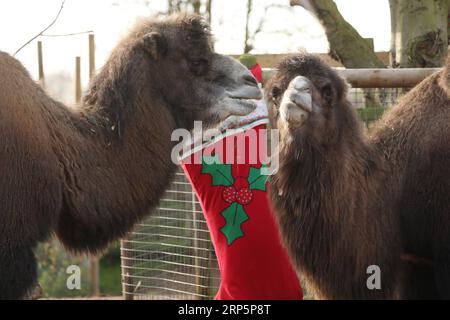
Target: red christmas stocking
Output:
[{"x": 253, "y": 263}]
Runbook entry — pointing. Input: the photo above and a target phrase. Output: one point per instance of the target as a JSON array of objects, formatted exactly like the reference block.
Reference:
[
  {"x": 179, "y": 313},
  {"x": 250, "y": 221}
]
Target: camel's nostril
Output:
[{"x": 250, "y": 80}]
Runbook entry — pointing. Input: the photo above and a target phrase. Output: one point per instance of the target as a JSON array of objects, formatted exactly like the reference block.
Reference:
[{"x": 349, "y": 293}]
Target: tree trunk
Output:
[
  {"x": 173, "y": 6},
  {"x": 419, "y": 33},
  {"x": 393, "y": 4},
  {"x": 208, "y": 10},
  {"x": 196, "y": 4},
  {"x": 346, "y": 44},
  {"x": 247, "y": 45},
  {"x": 448, "y": 19}
]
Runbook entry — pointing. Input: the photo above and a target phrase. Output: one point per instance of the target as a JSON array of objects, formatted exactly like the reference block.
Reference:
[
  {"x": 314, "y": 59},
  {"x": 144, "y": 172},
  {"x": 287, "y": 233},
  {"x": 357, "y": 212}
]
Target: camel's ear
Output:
[{"x": 155, "y": 44}]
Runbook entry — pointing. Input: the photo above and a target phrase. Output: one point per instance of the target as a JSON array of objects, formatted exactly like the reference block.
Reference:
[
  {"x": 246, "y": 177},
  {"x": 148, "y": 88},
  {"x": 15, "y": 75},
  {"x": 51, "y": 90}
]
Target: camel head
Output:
[
  {"x": 306, "y": 99},
  {"x": 196, "y": 82}
]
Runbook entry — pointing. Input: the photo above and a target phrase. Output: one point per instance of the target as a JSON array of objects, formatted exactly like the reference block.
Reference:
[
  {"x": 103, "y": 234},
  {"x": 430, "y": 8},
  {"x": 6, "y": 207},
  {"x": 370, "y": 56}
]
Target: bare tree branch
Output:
[
  {"x": 250, "y": 37},
  {"x": 40, "y": 33},
  {"x": 305, "y": 4},
  {"x": 247, "y": 46}
]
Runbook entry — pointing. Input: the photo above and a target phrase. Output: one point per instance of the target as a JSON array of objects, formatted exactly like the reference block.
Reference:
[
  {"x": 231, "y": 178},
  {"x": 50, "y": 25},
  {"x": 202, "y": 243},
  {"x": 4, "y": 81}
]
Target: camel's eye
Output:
[
  {"x": 276, "y": 93},
  {"x": 199, "y": 66},
  {"x": 327, "y": 92},
  {"x": 198, "y": 63}
]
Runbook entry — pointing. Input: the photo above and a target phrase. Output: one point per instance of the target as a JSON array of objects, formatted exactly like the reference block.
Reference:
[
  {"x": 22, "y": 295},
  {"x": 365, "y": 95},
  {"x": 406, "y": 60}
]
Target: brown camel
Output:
[
  {"x": 362, "y": 217},
  {"x": 88, "y": 175}
]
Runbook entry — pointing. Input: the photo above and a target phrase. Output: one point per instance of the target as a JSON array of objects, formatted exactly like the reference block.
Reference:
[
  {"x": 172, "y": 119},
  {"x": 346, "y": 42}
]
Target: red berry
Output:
[
  {"x": 244, "y": 196},
  {"x": 229, "y": 194}
]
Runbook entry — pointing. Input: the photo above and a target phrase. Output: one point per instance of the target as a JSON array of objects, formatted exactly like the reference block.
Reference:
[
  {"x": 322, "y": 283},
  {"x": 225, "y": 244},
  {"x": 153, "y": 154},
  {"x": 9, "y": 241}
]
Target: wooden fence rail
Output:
[{"x": 379, "y": 78}]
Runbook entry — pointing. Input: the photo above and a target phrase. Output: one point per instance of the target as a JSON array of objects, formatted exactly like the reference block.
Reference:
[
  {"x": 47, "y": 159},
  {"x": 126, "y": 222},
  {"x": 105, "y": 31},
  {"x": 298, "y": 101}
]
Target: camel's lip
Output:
[
  {"x": 303, "y": 101},
  {"x": 246, "y": 93},
  {"x": 247, "y": 103},
  {"x": 296, "y": 105},
  {"x": 240, "y": 107}
]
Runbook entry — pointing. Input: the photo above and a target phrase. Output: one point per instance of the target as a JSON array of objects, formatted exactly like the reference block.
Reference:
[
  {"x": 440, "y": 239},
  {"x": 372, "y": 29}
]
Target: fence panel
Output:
[{"x": 170, "y": 255}]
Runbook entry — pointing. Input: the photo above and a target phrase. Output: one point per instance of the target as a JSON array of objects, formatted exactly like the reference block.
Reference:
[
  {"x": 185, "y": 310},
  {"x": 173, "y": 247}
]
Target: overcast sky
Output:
[{"x": 286, "y": 30}]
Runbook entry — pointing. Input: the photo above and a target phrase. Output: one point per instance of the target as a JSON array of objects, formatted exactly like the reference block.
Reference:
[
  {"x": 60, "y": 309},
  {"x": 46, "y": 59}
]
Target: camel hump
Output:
[
  {"x": 12, "y": 69},
  {"x": 16, "y": 84},
  {"x": 8, "y": 62}
]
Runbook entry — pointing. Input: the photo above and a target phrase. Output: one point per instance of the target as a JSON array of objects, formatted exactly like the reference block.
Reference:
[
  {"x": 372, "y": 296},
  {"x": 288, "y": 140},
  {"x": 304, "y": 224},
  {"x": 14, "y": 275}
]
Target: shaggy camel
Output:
[
  {"x": 348, "y": 204},
  {"x": 89, "y": 174}
]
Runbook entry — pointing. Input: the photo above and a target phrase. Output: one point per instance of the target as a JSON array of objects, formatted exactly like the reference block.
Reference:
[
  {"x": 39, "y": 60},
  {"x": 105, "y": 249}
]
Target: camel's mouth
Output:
[
  {"x": 245, "y": 106},
  {"x": 246, "y": 93},
  {"x": 243, "y": 100}
]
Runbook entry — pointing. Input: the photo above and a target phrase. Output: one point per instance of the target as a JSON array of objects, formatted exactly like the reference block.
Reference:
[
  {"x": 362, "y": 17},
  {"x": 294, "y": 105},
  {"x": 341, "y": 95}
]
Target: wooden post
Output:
[
  {"x": 77, "y": 80},
  {"x": 40, "y": 64},
  {"x": 126, "y": 255},
  {"x": 91, "y": 56},
  {"x": 202, "y": 270},
  {"x": 95, "y": 260},
  {"x": 95, "y": 276}
]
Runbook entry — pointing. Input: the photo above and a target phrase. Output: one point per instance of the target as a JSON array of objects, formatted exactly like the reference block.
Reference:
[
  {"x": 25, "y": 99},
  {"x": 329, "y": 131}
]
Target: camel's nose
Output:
[
  {"x": 247, "y": 87},
  {"x": 242, "y": 84},
  {"x": 301, "y": 84}
]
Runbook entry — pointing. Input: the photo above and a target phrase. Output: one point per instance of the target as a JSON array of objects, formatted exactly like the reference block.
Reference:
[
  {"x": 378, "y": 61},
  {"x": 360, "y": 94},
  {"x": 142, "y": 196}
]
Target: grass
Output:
[
  {"x": 110, "y": 279},
  {"x": 369, "y": 115}
]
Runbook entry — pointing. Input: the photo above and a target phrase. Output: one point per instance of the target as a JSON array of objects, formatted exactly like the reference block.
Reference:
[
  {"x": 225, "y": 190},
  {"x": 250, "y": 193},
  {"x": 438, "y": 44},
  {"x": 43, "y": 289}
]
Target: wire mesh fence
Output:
[
  {"x": 170, "y": 254},
  {"x": 372, "y": 103}
]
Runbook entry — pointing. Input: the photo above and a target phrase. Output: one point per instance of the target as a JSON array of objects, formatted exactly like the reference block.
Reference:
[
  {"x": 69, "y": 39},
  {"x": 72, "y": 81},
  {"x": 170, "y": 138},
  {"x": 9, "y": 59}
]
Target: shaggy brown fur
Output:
[
  {"x": 89, "y": 175},
  {"x": 345, "y": 202}
]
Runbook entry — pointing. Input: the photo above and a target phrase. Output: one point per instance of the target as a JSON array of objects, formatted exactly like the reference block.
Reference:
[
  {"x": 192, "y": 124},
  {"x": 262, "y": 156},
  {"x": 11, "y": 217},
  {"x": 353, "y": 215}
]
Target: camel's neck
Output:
[
  {"x": 330, "y": 177},
  {"x": 326, "y": 181},
  {"x": 111, "y": 180},
  {"x": 324, "y": 191},
  {"x": 329, "y": 204}
]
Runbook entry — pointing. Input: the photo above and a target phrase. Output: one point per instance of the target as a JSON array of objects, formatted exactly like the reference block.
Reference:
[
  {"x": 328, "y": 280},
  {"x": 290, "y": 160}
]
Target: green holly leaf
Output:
[
  {"x": 220, "y": 173},
  {"x": 256, "y": 180},
  {"x": 235, "y": 216}
]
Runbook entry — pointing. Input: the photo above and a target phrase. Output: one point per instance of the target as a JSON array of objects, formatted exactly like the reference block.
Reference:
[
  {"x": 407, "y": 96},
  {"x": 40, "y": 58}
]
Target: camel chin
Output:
[{"x": 296, "y": 105}]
